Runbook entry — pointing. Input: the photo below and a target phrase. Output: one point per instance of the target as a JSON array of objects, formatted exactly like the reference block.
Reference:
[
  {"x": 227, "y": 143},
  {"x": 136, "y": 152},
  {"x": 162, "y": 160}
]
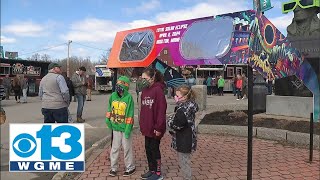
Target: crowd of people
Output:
[
  {"x": 215, "y": 85},
  {"x": 19, "y": 85}
]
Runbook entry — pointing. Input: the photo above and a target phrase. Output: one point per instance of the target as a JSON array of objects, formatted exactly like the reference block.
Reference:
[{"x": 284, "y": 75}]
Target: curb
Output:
[
  {"x": 297, "y": 138},
  {"x": 99, "y": 144}
]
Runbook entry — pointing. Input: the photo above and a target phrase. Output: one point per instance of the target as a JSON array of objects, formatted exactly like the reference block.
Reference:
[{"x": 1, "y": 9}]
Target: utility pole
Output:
[{"x": 68, "y": 60}]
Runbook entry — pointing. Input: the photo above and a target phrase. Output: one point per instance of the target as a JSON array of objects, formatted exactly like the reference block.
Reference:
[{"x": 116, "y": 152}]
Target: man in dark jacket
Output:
[{"x": 79, "y": 82}]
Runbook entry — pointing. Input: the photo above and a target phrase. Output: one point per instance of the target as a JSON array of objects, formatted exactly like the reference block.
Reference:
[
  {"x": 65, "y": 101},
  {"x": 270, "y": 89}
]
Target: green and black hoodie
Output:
[{"x": 119, "y": 116}]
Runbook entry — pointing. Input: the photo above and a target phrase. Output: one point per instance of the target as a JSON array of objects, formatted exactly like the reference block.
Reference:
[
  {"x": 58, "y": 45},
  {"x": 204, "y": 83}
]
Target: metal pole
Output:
[
  {"x": 68, "y": 60},
  {"x": 311, "y": 138},
  {"x": 250, "y": 122},
  {"x": 114, "y": 80}
]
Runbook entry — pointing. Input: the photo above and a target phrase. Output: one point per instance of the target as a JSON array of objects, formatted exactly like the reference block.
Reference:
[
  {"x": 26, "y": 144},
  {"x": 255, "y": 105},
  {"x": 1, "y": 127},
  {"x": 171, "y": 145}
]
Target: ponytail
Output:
[{"x": 187, "y": 92}]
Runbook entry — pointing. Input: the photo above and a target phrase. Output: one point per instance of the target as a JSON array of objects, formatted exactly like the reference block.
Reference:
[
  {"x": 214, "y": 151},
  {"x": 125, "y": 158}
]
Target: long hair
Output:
[
  {"x": 155, "y": 74},
  {"x": 187, "y": 92},
  {"x": 16, "y": 81}
]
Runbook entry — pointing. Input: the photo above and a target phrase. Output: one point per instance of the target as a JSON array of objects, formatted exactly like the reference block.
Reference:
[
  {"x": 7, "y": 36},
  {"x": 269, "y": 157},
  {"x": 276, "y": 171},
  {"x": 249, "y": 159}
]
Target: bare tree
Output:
[
  {"x": 45, "y": 57},
  {"x": 35, "y": 57},
  {"x": 105, "y": 56}
]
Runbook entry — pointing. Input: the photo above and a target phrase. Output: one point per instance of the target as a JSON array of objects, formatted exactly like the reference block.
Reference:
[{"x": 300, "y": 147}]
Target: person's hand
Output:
[{"x": 157, "y": 133}]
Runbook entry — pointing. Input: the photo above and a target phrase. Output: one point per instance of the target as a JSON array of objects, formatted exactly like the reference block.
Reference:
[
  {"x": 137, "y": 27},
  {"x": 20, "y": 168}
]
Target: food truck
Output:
[{"x": 32, "y": 70}]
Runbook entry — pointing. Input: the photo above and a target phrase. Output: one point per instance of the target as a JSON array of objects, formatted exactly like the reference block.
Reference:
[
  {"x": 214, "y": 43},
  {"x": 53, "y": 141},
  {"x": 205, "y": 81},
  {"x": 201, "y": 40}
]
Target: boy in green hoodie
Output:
[{"x": 119, "y": 118}]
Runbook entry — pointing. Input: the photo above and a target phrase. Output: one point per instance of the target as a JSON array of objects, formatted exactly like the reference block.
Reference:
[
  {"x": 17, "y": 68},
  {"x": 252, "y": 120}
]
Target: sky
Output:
[{"x": 28, "y": 26}]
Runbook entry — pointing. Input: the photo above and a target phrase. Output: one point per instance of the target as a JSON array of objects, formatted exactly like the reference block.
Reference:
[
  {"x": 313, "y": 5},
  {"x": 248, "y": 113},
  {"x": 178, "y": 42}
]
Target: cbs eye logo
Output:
[
  {"x": 24, "y": 145},
  {"x": 47, "y": 147}
]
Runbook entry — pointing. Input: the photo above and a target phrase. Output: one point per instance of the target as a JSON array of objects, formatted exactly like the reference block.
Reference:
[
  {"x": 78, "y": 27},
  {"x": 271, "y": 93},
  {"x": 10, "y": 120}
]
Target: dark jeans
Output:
[
  {"x": 238, "y": 90},
  {"x": 215, "y": 90},
  {"x": 17, "y": 94},
  {"x": 220, "y": 90},
  {"x": 209, "y": 90},
  {"x": 55, "y": 115},
  {"x": 234, "y": 90},
  {"x": 80, "y": 99},
  {"x": 152, "y": 147}
]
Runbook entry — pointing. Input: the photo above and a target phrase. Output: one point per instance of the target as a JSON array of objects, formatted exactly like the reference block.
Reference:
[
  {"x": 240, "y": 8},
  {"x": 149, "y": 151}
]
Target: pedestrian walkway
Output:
[{"x": 219, "y": 157}]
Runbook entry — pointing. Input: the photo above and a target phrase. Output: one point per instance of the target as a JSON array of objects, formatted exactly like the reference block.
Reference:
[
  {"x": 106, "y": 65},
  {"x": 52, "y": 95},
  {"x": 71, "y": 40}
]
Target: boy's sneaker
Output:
[
  {"x": 154, "y": 176},
  {"x": 129, "y": 173},
  {"x": 112, "y": 173},
  {"x": 146, "y": 175}
]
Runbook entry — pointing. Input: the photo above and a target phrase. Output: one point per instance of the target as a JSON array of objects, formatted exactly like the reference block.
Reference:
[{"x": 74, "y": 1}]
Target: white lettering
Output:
[
  {"x": 160, "y": 41},
  {"x": 166, "y": 40},
  {"x": 177, "y": 33},
  {"x": 175, "y": 39},
  {"x": 39, "y": 166},
  {"x": 23, "y": 165},
  {"x": 69, "y": 166},
  {"x": 54, "y": 165}
]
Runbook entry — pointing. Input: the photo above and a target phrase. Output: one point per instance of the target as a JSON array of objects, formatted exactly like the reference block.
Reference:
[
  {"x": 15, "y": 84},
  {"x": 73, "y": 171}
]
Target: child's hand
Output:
[{"x": 157, "y": 133}]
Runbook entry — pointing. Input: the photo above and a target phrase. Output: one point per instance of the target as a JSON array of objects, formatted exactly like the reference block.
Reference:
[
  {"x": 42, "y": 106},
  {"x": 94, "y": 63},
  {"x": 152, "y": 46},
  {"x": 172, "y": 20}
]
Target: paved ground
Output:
[{"x": 219, "y": 157}]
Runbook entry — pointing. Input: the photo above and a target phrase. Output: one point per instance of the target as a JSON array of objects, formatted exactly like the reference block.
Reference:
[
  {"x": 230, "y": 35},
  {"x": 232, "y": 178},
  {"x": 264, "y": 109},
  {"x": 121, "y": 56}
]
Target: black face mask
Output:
[{"x": 119, "y": 89}]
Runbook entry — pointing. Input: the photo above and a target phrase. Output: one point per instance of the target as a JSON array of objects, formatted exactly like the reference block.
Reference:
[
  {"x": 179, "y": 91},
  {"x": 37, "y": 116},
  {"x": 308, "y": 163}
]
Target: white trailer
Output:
[{"x": 103, "y": 78}]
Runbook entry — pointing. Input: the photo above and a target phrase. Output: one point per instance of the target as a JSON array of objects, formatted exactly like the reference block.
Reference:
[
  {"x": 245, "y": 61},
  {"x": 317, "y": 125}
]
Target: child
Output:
[
  {"x": 153, "y": 120},
  {"x": 182, "y": 128},
  {"x": 119, "y": 118}
]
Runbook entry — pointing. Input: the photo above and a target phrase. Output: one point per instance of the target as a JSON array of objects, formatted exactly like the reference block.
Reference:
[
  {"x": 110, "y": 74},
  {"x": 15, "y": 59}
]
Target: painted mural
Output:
[{"x": 235, "y": 38}]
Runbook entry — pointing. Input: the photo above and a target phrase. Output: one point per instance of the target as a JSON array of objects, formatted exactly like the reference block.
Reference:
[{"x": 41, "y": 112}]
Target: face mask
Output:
[
  {"x": 145, "y": 83},
  {"x": 119, "y": 89},
  {"x": 177, "y": 99}
]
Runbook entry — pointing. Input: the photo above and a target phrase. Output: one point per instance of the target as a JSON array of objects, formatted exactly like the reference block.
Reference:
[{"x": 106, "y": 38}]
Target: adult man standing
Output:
[
  {"x": 54, "y": 94},
  {"x": 79, "y": 82},
  {"x": 7, "y": 86}
]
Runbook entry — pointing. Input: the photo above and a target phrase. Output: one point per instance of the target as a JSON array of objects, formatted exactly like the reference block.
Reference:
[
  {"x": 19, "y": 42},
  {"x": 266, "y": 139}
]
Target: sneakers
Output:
[
  {"x": 129, "y": 173},
  {"x": 80, "y": 120},
  {"x": 154, "y": 176},
  {"x": 112, "y": 173},
  {"x": 238, "y": 99},
  {"x": 146, "y": 175}
]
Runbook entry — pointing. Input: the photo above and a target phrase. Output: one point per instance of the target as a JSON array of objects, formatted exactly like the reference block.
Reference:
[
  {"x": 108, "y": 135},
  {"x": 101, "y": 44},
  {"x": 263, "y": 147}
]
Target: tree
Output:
[
  {"x": 105, "y": 56},
  {"x": 35, "y": 57},
  {"x": 45, "y": 57}
]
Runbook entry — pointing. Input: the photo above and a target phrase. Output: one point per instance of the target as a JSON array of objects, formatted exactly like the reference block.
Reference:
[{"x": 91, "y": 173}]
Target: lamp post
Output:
[{"x": 68, "y": 60}]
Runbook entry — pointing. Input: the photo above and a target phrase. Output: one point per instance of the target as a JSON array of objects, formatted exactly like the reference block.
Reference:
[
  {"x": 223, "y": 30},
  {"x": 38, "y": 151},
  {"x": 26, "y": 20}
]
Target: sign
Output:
[
  {"x": 1, "y": 52},
  {"x": 46, "y": 147},
  {"x": 17, "y": 68},
  {"x": 265, "y": 5},
  {"x": 262, "y": 5},
  {"x": 11, "y": 55},
  {"x": 33, "y": 71}
]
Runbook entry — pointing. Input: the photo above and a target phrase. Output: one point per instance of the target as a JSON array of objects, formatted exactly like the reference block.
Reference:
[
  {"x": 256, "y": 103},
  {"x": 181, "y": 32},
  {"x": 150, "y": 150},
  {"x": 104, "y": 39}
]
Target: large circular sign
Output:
[{"x": 269, "y": 34}]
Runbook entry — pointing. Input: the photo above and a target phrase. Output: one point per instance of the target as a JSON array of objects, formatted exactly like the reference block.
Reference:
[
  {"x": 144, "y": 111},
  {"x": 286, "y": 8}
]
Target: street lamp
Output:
[{"x": 68, "y": 61}]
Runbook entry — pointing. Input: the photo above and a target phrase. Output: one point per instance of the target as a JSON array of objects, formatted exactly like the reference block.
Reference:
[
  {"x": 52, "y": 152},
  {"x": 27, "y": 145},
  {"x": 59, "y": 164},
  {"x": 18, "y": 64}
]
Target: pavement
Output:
[
  {"x": 95, "y": 127},
  {"x": 94, "y": 113},
  {"x": 217, "y": 157}
]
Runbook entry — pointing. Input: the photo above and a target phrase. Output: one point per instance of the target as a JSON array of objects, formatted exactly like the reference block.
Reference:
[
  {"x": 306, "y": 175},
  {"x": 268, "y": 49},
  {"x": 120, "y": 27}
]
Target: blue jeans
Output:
[
  {"x": 80, "y": 99},
  {"x": 55, "y": 115}
]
